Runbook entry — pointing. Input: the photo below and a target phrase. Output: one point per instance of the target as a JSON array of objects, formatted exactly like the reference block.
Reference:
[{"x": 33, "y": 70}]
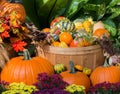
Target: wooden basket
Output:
[{"x": 91, "y": 56}]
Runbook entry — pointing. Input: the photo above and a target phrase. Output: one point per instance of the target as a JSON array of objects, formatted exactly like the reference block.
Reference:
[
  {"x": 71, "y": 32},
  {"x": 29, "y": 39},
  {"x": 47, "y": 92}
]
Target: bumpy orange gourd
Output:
[
  {"x": 66, "y": 37},
  {"x": 105, "y": 74},
  {"x": 25, "y": 69},
  {"x": 6, "y": 8},
  {"x": 78, "y": 78}
]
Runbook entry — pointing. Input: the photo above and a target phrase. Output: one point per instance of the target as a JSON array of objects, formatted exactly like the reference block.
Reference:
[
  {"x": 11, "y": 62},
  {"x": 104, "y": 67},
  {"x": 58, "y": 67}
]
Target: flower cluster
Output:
[
  {"x": 19, "y": 88},
  {"x": 12, "y": 31},
  {"x": 75, "y": 89},
  {"x": 105, "y": 88},
  {"x": 46, "y": 81}
]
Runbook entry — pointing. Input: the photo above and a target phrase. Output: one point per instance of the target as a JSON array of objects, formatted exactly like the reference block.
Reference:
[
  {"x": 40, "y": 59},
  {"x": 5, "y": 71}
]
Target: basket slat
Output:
[{"x": 91, "y": 56}]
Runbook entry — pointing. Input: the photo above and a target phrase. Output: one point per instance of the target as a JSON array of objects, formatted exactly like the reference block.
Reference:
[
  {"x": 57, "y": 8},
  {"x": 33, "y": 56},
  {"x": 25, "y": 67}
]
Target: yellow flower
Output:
[
  {"x": 73, "y": 88},
  {"x": 79, "y": 25}
]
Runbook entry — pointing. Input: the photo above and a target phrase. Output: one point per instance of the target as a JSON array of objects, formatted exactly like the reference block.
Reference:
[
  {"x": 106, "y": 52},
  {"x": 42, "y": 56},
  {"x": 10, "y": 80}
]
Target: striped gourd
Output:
[{"x": 66, "y": 25}]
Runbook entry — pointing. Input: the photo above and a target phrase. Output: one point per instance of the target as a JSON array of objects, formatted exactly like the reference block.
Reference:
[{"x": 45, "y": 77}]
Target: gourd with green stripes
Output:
[{"x": 66, "y": 25}]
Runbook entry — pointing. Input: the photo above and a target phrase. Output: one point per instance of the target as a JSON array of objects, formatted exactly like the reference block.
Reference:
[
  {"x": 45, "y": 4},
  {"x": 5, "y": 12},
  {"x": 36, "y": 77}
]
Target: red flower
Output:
[{"x": 19, "y": 45}]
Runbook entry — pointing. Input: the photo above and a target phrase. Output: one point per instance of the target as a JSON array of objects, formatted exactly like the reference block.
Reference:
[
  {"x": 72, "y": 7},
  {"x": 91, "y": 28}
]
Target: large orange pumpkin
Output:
[
  {"x": 25, "y": 69},
  {"x": 105, "y": 74},
  {"x": 6, "y": 8},
  {"x": 73, "y": 77}
]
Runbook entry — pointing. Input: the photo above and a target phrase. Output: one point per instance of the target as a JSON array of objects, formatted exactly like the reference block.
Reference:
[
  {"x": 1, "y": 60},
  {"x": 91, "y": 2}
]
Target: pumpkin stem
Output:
[
  {"x": 72, "y": 69},
  {"x": 26, "y": 54}
]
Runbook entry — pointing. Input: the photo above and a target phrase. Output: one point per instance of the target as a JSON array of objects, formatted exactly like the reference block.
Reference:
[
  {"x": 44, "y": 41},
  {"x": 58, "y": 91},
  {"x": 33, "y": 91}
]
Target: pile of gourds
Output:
[{"x": 78, "y": 33}]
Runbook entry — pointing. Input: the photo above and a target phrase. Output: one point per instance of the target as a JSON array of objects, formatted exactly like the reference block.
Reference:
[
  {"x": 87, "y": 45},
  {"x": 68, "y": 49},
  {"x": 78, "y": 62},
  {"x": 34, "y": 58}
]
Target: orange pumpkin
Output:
[
  {"x": 100, "y": 32},
  {"x": 73, "y": 77},
  {"x": 56, "y": 43},
  {"x": 46, "y": 30},
  {"x": 7, "y": 8},
  {"x": 84, "y": 42},
  {"x": 105, "y": 74},
  {"x": 66, "y": 37},
  {"x": 25, "y": 69}
]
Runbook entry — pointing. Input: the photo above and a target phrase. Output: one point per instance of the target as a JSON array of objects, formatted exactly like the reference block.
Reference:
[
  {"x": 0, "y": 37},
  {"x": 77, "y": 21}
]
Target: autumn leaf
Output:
[
  {"x": 6, "y": 27},
  {"x": 14, "y": 23},
  {"x": 13, "y": 20},
  {"x": 19, "y": 46},
  {"x": 1, "y": 28},
  {"x": 5, "y": 34},
  {"x": 25, "y": 29}
]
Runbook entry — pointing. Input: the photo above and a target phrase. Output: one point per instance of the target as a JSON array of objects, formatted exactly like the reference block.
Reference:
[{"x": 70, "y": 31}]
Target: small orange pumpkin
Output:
[
  {"x": 6, "y": 8},
  {"x": 84, "y": 42},
  {"x": 25, "y": 69},
  {"x": 46, "y": 30},
  {"x": 66, "y": 37},
  {"x": 105, "y": 74},
  {"x": 73, "y": 77},
  {"x": 56, "y": 43},
  {"x": 100, "y": 32}
]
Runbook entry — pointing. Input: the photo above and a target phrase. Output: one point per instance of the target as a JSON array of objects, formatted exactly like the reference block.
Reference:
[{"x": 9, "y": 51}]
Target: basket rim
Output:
[{"x": 72, "y": 51}]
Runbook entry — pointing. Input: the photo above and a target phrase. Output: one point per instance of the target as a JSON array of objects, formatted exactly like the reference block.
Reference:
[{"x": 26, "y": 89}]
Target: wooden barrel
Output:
[{"x": 90, "y": 56}]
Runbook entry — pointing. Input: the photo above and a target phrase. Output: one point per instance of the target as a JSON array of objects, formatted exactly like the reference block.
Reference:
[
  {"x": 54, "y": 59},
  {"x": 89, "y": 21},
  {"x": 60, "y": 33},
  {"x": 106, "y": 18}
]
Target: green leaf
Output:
[
  {"x": 44, "y": 8},
  {"x": 111, "y": 27},
  {"x": 115, "y": 12},
  {"x": 30, "y": 8},
  {"x": 73, "y": 7},
  {"x": 101, "y": 11},
  {"x": 90, "y": 7},
  {"x": 113, "y": 3},
  {"x": 99, "y": 1},
  {"x": 58, "y": 9}
]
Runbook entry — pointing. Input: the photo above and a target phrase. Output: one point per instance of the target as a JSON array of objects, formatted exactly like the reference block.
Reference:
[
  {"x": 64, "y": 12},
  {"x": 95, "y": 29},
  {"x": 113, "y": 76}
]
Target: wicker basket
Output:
[{"x": 91, "y": 56}]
